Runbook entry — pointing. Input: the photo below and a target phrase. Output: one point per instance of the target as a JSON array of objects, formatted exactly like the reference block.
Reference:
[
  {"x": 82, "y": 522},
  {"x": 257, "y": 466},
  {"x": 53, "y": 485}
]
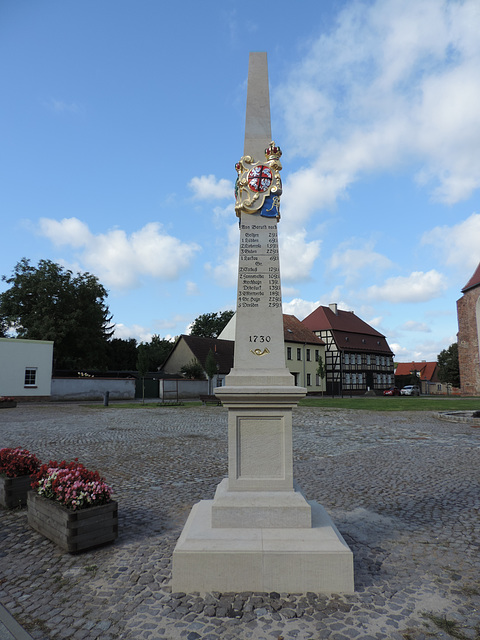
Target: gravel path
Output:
[{"x": 403, "y": 489}]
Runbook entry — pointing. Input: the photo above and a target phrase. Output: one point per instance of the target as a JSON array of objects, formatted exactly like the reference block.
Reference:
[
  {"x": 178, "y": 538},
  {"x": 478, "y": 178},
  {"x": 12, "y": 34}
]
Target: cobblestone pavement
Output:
[{"x": 403, "y": 489}]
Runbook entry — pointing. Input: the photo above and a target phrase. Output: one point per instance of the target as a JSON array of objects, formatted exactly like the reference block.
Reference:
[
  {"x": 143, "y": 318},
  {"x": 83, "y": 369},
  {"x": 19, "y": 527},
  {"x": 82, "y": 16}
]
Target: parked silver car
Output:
[{"x": 410, "y": 390}]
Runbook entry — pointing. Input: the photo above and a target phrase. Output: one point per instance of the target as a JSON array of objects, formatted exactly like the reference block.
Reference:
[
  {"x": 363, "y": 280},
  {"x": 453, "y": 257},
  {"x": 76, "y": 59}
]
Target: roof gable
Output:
[
  {"x": 323, "y": 318},
  {"x": 474, "y": 280},
  {"x": 427, "y": 370}
]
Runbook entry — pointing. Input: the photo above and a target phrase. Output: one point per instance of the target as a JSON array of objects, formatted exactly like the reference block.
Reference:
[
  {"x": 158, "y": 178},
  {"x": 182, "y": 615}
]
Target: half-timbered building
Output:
[{"x": 357, "y": 357}]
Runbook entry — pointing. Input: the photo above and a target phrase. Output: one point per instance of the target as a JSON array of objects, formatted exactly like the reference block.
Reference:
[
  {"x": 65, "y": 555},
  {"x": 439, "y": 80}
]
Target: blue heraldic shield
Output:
[{"x": 271, "y": 207}]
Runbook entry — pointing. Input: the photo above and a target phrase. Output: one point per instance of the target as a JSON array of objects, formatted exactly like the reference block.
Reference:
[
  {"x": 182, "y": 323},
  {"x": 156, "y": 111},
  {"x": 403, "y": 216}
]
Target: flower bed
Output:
[
  {"x": 71, "y": 485},
  {"x": 72, "y": 506},
  {"x": 16, "y": 467}
]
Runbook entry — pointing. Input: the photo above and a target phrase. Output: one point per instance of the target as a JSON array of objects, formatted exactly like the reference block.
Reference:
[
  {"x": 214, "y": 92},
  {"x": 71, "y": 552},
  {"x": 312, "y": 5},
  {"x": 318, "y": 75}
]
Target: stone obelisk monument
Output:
[{"x": 259, "y": 533}]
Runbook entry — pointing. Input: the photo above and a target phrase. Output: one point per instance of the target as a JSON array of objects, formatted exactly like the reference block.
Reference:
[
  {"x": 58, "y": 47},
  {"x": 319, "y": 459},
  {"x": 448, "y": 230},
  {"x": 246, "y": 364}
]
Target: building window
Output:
[
  {"x": 289, "y": 353},
  {"x": 30, "y": 376},
  {"x": 359, "y": 358},
  {"x": 308, "y": 355},
  {"x": 299, "y": 354},
  {"x": 317, "y": 355},
  {"x": 309, "y": 379},
  {"x": 347, "y": 358},
  {"x": 369, "y": 359}
]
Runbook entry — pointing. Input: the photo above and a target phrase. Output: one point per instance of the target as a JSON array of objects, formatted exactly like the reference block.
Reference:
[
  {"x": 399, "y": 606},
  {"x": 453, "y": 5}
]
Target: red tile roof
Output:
[
  {"x": 474, "y": 280},
  {"x": 349, "y": 331},
  {"x": 295, "y": 331},
  {"x": 324, "y": 318},
  {"x": 427, "y": 369}
]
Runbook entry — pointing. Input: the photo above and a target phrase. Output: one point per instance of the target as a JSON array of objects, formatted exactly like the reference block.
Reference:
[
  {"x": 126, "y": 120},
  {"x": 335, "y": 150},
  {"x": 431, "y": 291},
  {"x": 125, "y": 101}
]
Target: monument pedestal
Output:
[
  {"x": 259, "y": 533},
  {"x": 286, "y": 560}
]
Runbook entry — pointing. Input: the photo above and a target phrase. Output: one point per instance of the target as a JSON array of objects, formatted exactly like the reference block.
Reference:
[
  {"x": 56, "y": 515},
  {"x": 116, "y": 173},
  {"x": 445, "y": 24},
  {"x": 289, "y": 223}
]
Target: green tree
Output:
[
  {"x": 143, "y": 365},
  {"x": 210, "y": 325},
  {"x": 448, "y": 367},
  {"x": 193, "y": 370},
  {"x": 156, "y": 351},
  {"x": 321, "y": 370},
  {"x": 159, "y": 348},
  {"x": 3, "y": 327},
  {"x": 48, "y": 302},
  {"x": 122, "y": 354},
  {"x": 211, "y": 368}
]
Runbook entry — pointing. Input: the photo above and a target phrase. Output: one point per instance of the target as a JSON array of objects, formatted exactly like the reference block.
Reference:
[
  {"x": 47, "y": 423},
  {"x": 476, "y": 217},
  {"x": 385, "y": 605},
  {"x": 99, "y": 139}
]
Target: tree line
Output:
[{"x": 49, "y": 302}]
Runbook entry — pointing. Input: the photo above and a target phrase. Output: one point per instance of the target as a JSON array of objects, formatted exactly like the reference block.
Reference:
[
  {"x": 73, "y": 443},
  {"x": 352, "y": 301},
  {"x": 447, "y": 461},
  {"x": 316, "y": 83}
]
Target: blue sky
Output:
[{"x": 121, "y": 122}]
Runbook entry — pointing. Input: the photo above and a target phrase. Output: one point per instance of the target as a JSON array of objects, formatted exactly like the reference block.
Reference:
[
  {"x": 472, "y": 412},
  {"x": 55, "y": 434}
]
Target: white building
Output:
[{"x": 25, "y": 368}]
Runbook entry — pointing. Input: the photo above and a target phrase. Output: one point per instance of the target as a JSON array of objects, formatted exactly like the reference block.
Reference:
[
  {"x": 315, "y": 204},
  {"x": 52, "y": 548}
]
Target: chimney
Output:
[{"x": 333, "y": 307}]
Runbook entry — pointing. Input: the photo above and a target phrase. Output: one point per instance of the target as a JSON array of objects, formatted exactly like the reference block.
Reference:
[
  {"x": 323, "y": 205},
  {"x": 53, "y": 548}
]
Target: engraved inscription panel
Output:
[
  {"x": 260, "y": 447},
  {"x": 259, "y": 269}
]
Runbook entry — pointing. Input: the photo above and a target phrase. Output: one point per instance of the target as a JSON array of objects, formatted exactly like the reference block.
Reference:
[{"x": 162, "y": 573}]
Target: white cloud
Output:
[
  {"x": 141, "y": 334},
  {"x": 120, "y": 260},
  {"x": 225, "y": 273},
  {"x": 222, "y": 214},
  {"x": 209, "y": 188},
  {"x": 427, "y": 351},
  {"x": 302, "y": 308},
  {"x": 351, "y": 258},
  {"x": 310, "y": 189},
  {"x": 459, "y": 244},
  {"x": 417, "y": 287},
  {"x": 297, "y": 255},
  {"x": 69, "y": 231},
  {"x": 299, "y": 308},
  {"x": 413, "y": 325},
  {"x": 192, "y": 289},
  {"x": 393, "y": 81}
]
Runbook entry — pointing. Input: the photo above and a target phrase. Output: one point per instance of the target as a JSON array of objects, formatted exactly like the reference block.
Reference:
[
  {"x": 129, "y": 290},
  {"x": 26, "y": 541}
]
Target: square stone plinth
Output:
[
  {"x": 289, "y": 560},
  {"x": 260, "y": 509}
]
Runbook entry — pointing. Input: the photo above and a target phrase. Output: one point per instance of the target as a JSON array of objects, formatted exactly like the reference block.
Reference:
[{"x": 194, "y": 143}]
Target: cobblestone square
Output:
[{"x": 402, "y": 487}]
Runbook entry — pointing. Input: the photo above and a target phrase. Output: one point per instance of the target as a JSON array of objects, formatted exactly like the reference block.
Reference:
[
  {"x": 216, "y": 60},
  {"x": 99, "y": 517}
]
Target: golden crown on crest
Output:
[{"x": 272, "y": 152}]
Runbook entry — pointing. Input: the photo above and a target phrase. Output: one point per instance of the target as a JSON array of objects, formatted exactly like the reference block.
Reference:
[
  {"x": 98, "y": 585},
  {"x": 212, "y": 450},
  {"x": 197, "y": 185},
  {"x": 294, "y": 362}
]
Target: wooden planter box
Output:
[
  {"x": 71, "y": 530},
  {"x": 13, "y": 491},
  {"x": 11, "y": 404}
]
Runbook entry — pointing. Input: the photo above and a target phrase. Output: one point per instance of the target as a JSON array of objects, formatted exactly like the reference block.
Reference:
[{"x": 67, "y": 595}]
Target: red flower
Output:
[{"x": 17, "y": 462}]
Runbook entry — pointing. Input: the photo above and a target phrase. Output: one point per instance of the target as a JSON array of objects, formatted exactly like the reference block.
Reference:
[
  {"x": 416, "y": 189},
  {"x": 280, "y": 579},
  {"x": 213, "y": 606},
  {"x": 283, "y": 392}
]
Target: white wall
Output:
[
  {"x": 15, "y": 357},
  {"x": 93, "y": 388}
]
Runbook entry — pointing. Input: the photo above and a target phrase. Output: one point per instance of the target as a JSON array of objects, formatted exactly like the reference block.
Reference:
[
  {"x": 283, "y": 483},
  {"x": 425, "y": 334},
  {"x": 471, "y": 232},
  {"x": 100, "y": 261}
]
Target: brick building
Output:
[{"x": 468, "y": 314}]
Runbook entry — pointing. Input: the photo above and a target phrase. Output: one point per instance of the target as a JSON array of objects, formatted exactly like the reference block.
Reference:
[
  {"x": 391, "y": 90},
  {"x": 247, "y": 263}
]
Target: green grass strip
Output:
[{"x": 396, "y": 403}]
